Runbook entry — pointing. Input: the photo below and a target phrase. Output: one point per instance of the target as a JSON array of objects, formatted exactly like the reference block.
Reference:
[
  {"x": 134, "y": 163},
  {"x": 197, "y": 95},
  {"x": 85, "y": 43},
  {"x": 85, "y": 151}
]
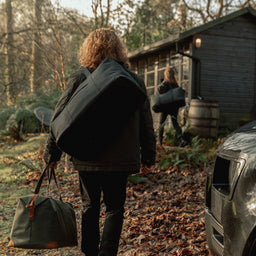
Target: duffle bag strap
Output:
[
  {"x": 50, "y": 173},
  {"x": 39, "y": 183},
  {"x": 86, "y": 71},
  {"x": 32, "y": 204}
]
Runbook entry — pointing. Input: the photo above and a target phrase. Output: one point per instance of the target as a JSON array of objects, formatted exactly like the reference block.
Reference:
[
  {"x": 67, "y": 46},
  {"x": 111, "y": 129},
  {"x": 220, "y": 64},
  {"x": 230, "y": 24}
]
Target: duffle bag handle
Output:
[
  {"x": 50, "y": 174},
  {"x": 32, "y": 204}
]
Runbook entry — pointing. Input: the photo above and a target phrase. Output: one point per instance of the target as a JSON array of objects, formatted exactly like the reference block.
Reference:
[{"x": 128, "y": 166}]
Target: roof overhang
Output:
[
  {"x": 186, "y": 35},
  {"x": 157, "y": 46}
]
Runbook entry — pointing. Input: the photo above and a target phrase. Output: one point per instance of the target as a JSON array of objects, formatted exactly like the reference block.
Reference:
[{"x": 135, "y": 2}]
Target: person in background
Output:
[
  {"x": 170, "y": 82},
  {"x": 132, "y": 151}
]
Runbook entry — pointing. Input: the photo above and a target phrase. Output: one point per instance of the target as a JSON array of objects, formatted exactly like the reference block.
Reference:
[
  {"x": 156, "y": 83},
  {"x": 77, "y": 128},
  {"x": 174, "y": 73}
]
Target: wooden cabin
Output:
[{"x": 215, "y": 61}]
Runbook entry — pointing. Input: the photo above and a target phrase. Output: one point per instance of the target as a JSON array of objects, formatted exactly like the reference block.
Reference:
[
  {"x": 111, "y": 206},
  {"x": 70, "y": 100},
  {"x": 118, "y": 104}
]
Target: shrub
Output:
[
  {"x": 5, "y": 114},
  {"x": 39, "y": 99},
  {"x": 20, "y": 122}
]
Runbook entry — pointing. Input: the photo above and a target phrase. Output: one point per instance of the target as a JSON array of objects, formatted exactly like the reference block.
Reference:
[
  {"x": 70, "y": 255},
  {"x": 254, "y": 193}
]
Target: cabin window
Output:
[
  {"x": 163, "y": 60},
  {"x": 184, "y": 73},
  {"x": 151, "y": 69},
  {"x": 175, "y": 60},
  {"x": 141, "y": 68},
  {"x": 181, "y": 63},
  {"x": 151, "y": 63},
  {"x": 162, "y": 64},
  {"x": 160, "y": 76},
  {"x": 150, "y": 78}
]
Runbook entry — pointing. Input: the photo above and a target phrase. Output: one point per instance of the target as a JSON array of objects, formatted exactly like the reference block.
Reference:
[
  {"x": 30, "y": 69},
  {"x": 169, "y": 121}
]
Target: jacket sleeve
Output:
[
  {"x": 160, "y": 89},
  {"x": 147, "y": 134},
  {"x": 163, "y": 87},
  {"x": 52, "y": 153}
]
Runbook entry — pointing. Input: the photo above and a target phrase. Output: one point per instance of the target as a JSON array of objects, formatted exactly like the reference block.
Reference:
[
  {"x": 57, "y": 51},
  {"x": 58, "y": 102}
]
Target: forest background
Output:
[
  {"x": 40, "y": 39},
  {"x": 39, "y": 42}
]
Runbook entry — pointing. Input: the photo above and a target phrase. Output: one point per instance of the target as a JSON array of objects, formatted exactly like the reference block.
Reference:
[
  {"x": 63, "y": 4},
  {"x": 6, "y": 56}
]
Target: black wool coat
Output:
[
  {"x": 165, "y": 87},
  {"x": 135, "y": 145}
]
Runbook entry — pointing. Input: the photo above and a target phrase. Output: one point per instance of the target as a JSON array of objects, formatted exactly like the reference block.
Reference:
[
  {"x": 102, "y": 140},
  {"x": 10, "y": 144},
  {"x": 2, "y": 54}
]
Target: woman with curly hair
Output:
[{"x": 132, "y": 151}]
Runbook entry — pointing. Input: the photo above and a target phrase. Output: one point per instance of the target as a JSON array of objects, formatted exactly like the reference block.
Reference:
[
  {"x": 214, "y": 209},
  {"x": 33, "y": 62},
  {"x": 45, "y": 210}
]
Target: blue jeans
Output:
[{"x": 113, "y": 186}]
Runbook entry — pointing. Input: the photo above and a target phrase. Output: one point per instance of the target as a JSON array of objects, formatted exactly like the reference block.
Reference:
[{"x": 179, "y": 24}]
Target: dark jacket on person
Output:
[
  {"x": 165, "y": 87},
  {"x": 133, "y": 146}
]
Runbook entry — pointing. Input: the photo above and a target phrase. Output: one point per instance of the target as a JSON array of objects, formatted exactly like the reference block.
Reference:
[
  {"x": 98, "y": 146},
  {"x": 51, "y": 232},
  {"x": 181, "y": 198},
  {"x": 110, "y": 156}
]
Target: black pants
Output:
[
  {"x": 113, "y": 186},
  {"x": 175, "y": 124}
]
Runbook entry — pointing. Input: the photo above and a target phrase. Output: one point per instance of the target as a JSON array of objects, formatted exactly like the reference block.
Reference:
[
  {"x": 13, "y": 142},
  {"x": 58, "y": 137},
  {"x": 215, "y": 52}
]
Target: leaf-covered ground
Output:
[{"x": 164, "y": 215}]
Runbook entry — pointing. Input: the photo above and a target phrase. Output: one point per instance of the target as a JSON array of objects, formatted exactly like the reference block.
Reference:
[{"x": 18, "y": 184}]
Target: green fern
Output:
[{"x": 199, "y": 154}]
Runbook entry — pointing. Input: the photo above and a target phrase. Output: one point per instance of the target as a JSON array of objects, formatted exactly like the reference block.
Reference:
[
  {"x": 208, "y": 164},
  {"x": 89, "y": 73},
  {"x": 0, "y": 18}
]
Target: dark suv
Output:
[{"x": 230, "y": 216}]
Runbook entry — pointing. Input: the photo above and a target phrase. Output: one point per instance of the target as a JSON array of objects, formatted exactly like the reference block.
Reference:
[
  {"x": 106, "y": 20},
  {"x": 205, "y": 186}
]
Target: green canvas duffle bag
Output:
[{"x": 42, "y": 222}]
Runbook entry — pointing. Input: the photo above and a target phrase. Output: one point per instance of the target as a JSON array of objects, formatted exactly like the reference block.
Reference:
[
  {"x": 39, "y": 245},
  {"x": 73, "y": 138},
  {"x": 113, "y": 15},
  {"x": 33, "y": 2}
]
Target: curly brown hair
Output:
[{"x": 100, "y": 44}]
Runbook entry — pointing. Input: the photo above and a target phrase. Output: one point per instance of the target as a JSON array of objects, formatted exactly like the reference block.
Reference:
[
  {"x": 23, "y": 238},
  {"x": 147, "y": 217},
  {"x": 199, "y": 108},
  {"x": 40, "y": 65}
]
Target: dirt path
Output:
[{"x": 164, "y": 216}]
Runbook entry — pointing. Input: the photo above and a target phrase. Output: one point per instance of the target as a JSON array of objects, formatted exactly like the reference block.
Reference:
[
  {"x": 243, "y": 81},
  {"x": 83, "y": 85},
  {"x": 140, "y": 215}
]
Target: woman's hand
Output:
[
  {"x": 53, "y": 165},
  {"x": 145, "y": 169}
]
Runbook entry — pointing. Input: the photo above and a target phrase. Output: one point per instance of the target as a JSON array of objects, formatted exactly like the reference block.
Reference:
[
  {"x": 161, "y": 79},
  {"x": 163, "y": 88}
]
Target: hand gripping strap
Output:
[{"x": 50, "y": 174}]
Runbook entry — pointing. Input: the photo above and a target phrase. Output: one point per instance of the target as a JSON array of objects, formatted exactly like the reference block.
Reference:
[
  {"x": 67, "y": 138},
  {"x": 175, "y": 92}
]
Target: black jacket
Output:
[
  {"x": 135, "y": 144},
  {"x": 163, "y": 88}
]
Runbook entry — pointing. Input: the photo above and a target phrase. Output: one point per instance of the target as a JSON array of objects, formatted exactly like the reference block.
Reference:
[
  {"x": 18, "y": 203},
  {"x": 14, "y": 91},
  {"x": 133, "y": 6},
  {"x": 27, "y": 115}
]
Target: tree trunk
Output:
[
  {"x": 108, "y": 13},
  {"x": 36, "y": 80},
  {"x": 104, "y": 13},
  {"x": 11, "y": 85}
]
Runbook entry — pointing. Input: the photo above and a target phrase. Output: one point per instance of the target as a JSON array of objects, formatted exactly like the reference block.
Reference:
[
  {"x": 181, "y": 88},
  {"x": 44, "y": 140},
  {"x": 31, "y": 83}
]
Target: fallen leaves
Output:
[{"x": 164, "y": 215}]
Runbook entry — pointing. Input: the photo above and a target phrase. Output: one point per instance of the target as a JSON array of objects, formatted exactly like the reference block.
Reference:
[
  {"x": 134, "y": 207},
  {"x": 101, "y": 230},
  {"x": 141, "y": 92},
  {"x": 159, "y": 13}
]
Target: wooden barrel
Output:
[{"x": 204, "y": 118}]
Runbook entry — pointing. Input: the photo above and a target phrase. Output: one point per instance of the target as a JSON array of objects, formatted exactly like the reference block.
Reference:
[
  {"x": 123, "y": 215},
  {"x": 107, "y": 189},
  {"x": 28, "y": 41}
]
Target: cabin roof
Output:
[{"x": 171, "y": 40}]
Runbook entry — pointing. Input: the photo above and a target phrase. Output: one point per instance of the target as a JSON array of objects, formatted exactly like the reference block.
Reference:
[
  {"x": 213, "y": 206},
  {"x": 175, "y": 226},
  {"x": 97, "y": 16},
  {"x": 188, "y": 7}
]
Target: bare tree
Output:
[
  {"x": 64, "y": 32},
  {"x": 53, "y": 52},
  {"x": 39, "y": 43},
  {"x": 108, "y": 13},
  {"x": 181, "y": 22},
  {"x": 11, "y": 85},
  {"x": 207, "y": 10},
  {"x": 101, "y": 13},
  {"x": 36, "y": 67}
]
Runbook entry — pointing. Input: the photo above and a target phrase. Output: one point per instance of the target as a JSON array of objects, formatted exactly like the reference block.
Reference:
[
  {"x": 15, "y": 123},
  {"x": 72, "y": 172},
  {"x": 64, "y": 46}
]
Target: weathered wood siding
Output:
[
  {"x": 151, "y": 68},
  {"x": 228, "y": 66}
]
